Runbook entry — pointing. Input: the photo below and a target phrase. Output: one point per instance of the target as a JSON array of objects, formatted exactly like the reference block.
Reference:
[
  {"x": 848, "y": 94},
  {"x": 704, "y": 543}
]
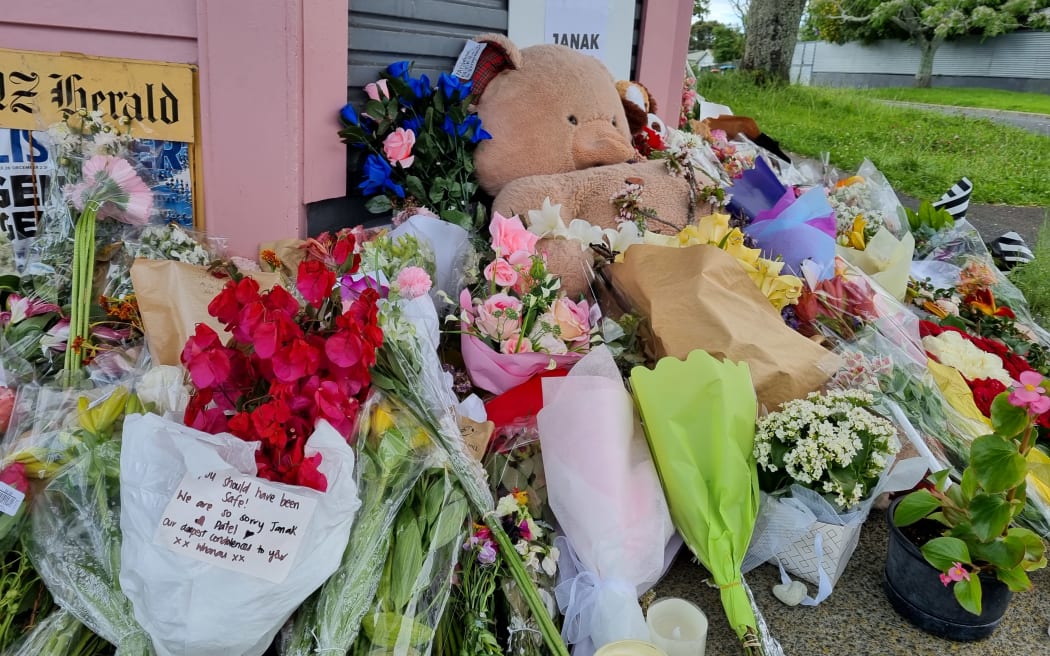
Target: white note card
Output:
[{"x": 237, "y": 522}]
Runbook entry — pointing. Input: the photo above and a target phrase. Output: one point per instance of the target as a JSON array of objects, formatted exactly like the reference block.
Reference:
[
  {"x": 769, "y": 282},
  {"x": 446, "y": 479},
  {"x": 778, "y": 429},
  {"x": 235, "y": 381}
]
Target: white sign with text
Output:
[{"x": 237, "y": 522}]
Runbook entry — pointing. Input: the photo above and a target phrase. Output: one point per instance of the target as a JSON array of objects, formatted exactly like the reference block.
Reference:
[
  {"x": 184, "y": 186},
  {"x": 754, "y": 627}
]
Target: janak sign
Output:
[{"x": 39, "y": 88}]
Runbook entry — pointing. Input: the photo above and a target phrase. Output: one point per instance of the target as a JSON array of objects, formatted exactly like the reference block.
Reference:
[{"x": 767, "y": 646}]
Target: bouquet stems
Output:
[
  {"x": 408, "y": 373},
  {"x": 60, "y": 635},
  {"x": 83, "y": 275}
]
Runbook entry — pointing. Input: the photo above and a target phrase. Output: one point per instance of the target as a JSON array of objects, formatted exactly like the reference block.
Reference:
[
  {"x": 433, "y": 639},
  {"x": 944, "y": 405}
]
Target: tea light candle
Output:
[
  {"x": 630, "y": 648},
  {"x": 678, "y": 627}
]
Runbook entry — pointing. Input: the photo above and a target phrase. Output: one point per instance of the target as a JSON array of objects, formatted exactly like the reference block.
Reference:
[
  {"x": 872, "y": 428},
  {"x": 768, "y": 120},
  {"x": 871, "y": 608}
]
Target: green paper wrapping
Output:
[{"x": 699, "y": 416}]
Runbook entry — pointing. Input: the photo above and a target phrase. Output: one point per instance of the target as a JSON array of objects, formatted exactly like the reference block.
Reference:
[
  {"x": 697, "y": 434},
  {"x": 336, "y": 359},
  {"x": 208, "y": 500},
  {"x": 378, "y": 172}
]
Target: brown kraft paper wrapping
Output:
[
  {"x": 173, "y": 298},
  {"x": 699, "y": 297}
]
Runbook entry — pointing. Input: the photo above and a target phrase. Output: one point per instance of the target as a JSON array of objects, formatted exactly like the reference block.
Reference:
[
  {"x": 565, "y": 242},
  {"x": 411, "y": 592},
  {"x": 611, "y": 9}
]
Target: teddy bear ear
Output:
[{"x": 499, "y": 55}]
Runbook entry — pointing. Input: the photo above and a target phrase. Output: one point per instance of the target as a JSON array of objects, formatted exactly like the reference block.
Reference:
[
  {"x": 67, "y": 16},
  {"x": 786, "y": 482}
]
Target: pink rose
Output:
[
  {"x": 499, "y": 317},
  {"x": 377, "y": 90},
  {"x": 510, "y": 236},
  {"x": 516, "y": 344},
  {"x": 572, "y": 319},
  {"x": 398, "y": 147},
  {"x": 502, "y": 273}
]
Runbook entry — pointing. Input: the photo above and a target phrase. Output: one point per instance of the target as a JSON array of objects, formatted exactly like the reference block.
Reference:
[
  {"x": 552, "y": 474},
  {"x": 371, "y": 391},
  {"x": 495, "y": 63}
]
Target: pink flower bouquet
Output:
[{"x": 524, "y": 325}]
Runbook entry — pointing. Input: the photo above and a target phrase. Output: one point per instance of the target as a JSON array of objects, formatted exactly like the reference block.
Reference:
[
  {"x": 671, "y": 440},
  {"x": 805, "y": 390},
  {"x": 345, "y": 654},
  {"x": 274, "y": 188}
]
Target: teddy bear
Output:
[{"x": 559, "y": 131}]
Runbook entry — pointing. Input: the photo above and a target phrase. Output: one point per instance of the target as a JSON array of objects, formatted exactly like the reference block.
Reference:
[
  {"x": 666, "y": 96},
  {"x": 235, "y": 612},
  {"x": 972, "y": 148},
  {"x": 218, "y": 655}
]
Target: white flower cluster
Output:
[
  {"x": 852, "y": 200},
  {"x": 829, "y": 443},
  {"x": 169, "y": 242},
  {"x": 86, "y": 134},
  {"x": 547, "y": 222}
]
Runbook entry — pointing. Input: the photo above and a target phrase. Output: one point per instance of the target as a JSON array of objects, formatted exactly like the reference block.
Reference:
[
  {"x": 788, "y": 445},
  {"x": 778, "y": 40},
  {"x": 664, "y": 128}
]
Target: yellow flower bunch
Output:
[{"x": 714, "y": 230}]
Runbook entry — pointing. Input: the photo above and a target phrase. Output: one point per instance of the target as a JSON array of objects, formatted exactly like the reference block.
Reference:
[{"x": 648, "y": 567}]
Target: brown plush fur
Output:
[{"x": 537, "y": 152}]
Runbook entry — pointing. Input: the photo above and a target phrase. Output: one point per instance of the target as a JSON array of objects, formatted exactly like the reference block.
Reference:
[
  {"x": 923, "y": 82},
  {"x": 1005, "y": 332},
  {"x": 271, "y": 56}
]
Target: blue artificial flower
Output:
[
  {"x": 420, "y": 86},
  {"x": 413, "y": 123},
  {"x": 348, "y": 114},
  {"x": 377, "y": 177},
  {"x": 399, "y": 69},
  {"x": 449, "y": 126},
  {"x": 453, "y": 88},
  {"x": 473, "y": 124}
]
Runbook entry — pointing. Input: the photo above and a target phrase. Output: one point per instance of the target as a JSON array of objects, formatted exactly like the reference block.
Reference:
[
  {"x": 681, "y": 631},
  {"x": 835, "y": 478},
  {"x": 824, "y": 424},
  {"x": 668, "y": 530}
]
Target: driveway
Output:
[{"x": 1037, "y": 123}]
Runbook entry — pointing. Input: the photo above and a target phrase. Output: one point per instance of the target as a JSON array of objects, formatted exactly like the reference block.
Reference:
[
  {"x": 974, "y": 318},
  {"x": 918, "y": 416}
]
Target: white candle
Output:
[
  {"x": 678, "y": 627},
  {"x": 630, "y": 648}
]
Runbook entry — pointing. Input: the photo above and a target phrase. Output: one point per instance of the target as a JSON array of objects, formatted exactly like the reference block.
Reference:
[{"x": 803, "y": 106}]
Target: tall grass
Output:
[
  {"x": 1033, "y": 278},
  {"x": 921, "y": 153}
]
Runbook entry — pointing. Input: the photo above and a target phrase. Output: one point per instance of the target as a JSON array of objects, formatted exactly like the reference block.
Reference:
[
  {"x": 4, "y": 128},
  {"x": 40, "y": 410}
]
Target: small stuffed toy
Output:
[
  {"x": 647, "y": 129},
  {"x": 559, "y": 131}
]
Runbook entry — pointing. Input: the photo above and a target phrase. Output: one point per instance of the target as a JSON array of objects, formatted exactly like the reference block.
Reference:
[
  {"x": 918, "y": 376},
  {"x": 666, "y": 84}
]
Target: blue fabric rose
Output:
[{"x": 377, "y": 177}]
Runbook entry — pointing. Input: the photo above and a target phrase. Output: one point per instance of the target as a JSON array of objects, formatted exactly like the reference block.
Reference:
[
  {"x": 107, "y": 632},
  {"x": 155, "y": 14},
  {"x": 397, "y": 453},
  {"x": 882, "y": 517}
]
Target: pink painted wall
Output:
[
  {"x": 663, "y": 45},
  {"x": 271, "y": 82}
]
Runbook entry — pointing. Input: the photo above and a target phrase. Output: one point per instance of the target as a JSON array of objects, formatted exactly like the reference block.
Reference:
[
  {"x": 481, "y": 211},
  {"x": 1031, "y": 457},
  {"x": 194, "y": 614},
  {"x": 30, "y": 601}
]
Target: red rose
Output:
[{"x": 984, "y": 392}]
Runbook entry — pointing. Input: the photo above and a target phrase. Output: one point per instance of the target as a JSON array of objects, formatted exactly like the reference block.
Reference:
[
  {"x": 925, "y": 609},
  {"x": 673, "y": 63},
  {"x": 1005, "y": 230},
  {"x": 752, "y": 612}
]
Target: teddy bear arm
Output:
[{"x": 524, "y": 194}]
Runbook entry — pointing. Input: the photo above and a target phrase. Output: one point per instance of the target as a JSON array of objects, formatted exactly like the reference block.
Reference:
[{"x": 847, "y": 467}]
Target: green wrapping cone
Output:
[{"x": 699, "y": 417}]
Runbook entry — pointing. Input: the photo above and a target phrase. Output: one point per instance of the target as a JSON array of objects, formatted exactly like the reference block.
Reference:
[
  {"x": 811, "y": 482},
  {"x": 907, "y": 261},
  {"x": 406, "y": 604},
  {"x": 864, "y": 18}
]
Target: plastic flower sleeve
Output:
[
  {"x": 417, "y": 574},
  {"x": 606, "y": 495},
  {"x": 392, "y": 447},
  {"x": 59, "y": 634},
  {"x": 74, "y": 537},
  {"x": 408, "y": 368},
  {"x": 187, "y": 602}
]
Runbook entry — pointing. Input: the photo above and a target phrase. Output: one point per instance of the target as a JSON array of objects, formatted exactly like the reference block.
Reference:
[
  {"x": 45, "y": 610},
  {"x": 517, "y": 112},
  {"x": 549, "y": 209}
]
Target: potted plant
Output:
[{"x": 954, "y": 559}]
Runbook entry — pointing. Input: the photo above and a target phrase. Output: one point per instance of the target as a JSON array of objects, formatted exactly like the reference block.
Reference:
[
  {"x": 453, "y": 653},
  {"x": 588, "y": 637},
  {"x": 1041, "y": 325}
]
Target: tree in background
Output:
[
  {"x": 927, "y": 23},
  {"x": 727, "y": 43},
  {"x": 772, "y": 30}
]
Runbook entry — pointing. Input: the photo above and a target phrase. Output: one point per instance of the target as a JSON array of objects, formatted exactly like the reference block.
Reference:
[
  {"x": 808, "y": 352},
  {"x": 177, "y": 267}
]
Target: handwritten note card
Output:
[{"x": 237, "y": 522}]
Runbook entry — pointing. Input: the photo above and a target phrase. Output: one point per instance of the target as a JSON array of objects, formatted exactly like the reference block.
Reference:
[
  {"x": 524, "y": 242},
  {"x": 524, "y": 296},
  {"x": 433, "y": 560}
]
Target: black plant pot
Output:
[{"x": 915, "y": 591}]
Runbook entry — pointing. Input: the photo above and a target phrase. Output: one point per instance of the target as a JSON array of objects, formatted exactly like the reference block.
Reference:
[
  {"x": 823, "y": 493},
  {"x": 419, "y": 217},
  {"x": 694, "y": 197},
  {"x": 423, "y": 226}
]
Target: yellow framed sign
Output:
[
  {"x": 41, "y": 88},
  {"x": 157, "y": 99}
]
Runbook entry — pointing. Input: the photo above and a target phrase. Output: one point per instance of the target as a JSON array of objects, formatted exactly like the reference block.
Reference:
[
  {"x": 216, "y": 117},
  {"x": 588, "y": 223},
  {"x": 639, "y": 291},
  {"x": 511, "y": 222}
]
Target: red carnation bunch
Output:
[{"x": 286, "y": 365}]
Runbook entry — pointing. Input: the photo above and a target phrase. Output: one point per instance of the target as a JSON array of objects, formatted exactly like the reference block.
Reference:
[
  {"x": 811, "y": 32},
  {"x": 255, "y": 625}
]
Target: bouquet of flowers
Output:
[
  {"x": 417, "y": 143},
  {"x": 523, "y": 325},
  {"x": 822, "y": 461},
  {"x": 829, "y": 443},
  {"x": 287, "y": 365},
  {"x": 417, "y": 576}
]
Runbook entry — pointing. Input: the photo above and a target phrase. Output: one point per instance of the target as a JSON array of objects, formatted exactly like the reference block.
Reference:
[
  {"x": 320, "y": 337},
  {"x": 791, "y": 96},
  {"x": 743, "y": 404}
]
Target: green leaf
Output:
[
  {"x": 449, "y": 525},
  {"x": 1015, "y": 578},
  {"x": 968, "y": 483},
  {"x": 375, "y": 109},
  {"x": 942, "y": 553},
  {"x": 1007, "y": 419},
  {"x": 990, "y": 514},
  {"x": 378, "y": 204},
  {"x": 1005, "y": 553},
  {"x": 998, "y": 465},
  {"x": 459, "y": 218},
  {"x": 407, "y": 561},
  {"x": 939, "y": 479},
  {"x": 968, "y": 593},
  {"x": 914, "y": 507},
  {"x": 10, "y": 283},
  {"x": 1034, "y": 547},
  {"x": 414, "y": 186}
]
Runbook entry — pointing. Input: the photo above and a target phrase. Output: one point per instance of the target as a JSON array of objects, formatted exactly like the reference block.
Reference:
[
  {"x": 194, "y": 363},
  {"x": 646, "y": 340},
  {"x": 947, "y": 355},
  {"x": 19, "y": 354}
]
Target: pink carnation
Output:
[{"x": 413, "y": 282}]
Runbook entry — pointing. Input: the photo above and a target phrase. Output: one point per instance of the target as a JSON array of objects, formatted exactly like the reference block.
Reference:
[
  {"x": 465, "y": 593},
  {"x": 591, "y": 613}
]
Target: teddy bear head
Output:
[{"x": 549, "y": 109}]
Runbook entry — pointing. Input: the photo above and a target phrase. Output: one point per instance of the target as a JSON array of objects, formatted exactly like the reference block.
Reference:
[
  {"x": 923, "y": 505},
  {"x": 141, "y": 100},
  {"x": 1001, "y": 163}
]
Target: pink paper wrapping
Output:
[{"x": 498, "y": 372}]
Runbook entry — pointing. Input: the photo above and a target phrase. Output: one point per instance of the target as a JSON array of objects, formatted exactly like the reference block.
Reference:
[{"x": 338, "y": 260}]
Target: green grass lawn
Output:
[
  {"x": 921, "y": 153},
  {"x": 1038, "y": 103}
]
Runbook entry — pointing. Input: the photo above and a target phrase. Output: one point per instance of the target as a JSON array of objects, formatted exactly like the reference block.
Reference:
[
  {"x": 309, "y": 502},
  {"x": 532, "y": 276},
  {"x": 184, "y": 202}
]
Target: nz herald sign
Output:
[{"x": 38, "y": 89}]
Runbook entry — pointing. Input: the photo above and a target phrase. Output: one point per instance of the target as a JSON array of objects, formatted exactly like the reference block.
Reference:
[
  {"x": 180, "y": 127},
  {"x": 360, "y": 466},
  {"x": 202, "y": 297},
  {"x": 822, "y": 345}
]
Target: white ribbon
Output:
[{"x": 596, "y": 611}]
